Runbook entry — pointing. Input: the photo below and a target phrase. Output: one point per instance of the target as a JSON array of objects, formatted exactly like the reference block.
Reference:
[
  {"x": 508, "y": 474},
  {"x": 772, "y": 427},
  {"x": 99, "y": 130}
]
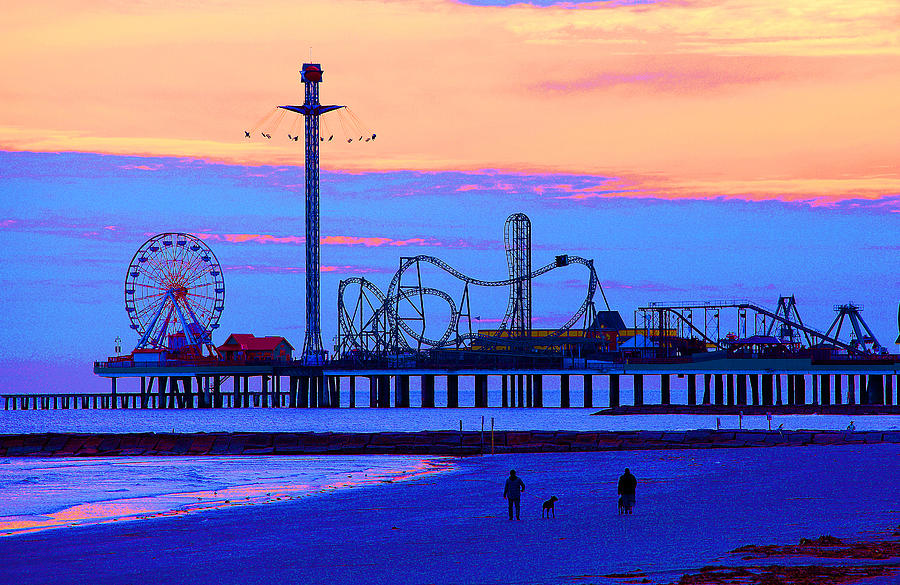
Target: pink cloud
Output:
[
  {"x": 147, "y": 167},
  {"x": 275, "y": 269},
  {"x": 374, "y": 242},
  {"x": 354, "y": 241},
  {"x": 256, "y": 238},
  {"x": 415, "y": 242}
]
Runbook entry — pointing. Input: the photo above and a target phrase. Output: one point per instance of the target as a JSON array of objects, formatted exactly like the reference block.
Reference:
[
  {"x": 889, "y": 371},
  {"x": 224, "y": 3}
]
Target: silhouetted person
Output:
[
  {"x": 512, "y": 492},
  {"x": 627, "y": 485}
]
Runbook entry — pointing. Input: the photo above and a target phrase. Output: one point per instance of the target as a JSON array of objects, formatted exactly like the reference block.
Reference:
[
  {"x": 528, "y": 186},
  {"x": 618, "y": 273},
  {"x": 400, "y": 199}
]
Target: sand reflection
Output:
[{"x": 177, "y": 503}]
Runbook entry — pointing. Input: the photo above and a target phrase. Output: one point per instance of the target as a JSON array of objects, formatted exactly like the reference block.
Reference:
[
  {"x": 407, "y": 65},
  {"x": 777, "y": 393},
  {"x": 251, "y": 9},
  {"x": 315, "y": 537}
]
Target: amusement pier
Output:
[{"x": 719, "y": 356}]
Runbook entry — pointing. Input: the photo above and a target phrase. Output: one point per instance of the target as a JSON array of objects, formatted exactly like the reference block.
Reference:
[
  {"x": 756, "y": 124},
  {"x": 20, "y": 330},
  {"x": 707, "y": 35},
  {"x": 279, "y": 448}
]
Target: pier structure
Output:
[{"x": 726, "y": 385}]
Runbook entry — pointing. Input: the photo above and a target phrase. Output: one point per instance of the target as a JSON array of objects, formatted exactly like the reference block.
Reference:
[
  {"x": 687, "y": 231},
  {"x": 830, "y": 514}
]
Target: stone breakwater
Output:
[{"x": 418, "y": 443}]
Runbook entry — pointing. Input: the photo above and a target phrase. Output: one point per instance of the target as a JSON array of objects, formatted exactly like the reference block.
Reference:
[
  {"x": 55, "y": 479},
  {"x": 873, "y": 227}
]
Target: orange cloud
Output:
[{"x": 725, "y": 95}]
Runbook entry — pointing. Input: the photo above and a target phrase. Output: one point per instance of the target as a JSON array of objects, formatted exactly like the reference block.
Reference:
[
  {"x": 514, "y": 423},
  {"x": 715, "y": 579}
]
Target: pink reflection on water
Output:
[{"x": 181, "y": 503}]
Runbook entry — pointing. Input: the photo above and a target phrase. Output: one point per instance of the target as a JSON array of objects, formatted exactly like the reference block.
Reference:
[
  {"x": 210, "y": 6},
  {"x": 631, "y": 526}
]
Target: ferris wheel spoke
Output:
[
  {"x": 158, "y": 270},
  {"x": 148, "y": 310},
  {"x": 161, "y": 290},
  {"x": 194, "y": 280},
  {"x": 149, "y": 301},
  {"x": 157, "y": 259},
  {"x": 194, "y": 262},
  {"x": 153, "y": 292},
  {"x": 202, "y": 308},
  {"x": 149, "y": 285},
  {"x": 206, "y": 283},
  {"x": 200, "y": 296}
]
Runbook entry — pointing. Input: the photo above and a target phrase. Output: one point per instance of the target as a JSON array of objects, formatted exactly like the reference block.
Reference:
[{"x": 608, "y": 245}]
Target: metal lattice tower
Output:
[
  {"x": 517, "y": 237},
  {"x": 311, "y": 76}
]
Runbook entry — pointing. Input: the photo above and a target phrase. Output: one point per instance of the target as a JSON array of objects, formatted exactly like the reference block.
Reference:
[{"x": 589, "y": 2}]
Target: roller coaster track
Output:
[
  {"x": 380, "y": 330},
  {"x": 813, "y": 333}
]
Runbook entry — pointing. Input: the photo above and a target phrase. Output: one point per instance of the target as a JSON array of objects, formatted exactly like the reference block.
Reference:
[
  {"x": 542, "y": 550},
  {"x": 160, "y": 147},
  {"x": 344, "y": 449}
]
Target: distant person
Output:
[
  {"x": 512, "y": 492},
  {"x": 627, "y": 485}
]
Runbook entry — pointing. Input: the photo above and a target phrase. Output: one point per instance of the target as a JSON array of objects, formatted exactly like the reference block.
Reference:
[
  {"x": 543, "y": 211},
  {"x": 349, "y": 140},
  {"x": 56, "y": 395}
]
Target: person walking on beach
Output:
[
  {"x": 627, "y": 485},
  {"x": 512, "y": 492}
]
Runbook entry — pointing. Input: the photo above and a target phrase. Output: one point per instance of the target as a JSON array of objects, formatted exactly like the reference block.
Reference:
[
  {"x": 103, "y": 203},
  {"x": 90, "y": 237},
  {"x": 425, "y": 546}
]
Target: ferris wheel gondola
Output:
[{"x": 175, "y": 294}]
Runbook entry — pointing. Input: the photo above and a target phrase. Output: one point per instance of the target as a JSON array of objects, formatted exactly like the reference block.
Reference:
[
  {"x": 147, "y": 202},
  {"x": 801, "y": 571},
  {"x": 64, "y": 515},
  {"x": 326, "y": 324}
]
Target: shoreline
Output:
[
  {"x": 183, "y": 492},
  {"x": 451, "y": 528},
  {"x": 414, "y": 443}
]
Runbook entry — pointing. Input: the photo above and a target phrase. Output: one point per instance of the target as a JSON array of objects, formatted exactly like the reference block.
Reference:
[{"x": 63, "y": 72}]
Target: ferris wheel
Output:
[{"x": 174, "y": 293}]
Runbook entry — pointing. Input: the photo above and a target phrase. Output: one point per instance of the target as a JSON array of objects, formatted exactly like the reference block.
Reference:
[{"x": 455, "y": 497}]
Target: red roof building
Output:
[{"x": 246, "y": 347}]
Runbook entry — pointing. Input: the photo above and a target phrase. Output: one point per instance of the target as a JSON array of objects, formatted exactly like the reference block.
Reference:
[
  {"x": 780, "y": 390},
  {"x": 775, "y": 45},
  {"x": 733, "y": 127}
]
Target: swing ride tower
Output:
[{"x": 311, "y": 76}]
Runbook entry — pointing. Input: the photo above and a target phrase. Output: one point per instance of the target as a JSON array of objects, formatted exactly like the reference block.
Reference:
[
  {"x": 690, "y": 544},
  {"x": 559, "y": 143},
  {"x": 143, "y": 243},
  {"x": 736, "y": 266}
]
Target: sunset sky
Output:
[{"x": 694, "y": 149}]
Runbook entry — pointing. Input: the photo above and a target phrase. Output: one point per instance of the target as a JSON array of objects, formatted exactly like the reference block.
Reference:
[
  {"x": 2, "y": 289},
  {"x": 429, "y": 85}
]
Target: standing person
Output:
[
  {"x": 512, "y": 492},
  {"x": 627, "y": 485}
]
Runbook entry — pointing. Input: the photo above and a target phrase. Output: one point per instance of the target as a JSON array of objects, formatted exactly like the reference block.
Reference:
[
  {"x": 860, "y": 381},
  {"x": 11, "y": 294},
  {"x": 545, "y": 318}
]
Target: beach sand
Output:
[{"x": 693, "y": 506}]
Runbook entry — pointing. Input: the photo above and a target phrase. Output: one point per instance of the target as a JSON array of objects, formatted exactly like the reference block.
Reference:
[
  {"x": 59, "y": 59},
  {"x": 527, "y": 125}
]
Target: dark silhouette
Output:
[
  {"x": 627, "y": 485},
  {"x": 550, "y": 507},
  {"x": 512, "y": 492}
]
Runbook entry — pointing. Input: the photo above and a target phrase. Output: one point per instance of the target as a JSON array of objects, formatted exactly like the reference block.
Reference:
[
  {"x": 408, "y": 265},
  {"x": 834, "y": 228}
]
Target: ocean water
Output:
[
  {"x": 364, "y": 419},
  {"x": 42, "y": 494},
  {"x": 402, "y": 419}
]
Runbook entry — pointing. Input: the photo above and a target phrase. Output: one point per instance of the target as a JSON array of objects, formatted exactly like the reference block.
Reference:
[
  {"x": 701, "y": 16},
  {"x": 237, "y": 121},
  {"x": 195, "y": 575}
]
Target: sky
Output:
[{"x": 695, "y": 150}]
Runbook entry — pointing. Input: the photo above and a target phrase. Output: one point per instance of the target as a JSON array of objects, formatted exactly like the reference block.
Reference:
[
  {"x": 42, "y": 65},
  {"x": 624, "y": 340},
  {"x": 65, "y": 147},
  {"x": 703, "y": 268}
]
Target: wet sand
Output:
[{"x": 693, "y": 508}]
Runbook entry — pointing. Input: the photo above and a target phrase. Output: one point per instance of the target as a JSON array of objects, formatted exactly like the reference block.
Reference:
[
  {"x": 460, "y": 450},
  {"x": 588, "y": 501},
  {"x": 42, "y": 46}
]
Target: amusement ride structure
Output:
[
  {"x": 175, "y": 294},
  {"x": 373, "y": 324},
  {"x": 674, "y": 325},
  {"x": 311, "y": 76}
]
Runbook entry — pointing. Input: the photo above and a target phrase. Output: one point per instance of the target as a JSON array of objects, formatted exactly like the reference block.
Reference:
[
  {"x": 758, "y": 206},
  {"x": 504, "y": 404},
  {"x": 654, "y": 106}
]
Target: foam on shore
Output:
[{"x": 40, "y": 494}]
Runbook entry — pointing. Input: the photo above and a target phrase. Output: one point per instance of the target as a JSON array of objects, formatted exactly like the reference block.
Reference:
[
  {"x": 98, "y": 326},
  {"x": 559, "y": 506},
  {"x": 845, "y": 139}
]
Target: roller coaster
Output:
[
  {"x": 373, "y": 324},
  {"x": 672, "y": 324}
]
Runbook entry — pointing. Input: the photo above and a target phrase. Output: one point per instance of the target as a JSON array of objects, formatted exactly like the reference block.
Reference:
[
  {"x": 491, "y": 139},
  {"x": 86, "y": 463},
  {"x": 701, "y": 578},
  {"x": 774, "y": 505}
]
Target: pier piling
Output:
[
  {"x": 452, "y": 391},
  {"x": 427, "y": 383}
]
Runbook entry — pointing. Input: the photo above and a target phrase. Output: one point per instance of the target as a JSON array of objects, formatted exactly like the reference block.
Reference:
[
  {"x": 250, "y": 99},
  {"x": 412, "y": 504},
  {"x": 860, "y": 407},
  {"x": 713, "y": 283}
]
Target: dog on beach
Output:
[
  {"x": 621, "y": 504},
  {"x": 549, "y": 506}
]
